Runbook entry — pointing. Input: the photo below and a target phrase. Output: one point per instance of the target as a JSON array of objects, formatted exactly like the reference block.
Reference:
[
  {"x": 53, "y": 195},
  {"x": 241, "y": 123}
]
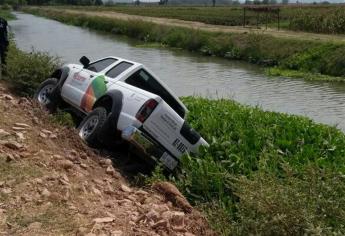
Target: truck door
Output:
[{"x": 83, "y": 86}]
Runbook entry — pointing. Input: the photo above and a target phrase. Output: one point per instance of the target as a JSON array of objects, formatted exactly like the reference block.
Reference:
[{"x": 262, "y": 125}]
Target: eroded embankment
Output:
[
  {"x": 52, "y": 184},
  {"x": 312, "y": 59}
]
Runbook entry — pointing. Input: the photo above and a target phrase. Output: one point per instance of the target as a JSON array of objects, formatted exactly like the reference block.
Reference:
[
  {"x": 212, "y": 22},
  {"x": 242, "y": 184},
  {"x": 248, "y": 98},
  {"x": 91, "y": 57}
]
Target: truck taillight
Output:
[{"x": 146, "y": 110}]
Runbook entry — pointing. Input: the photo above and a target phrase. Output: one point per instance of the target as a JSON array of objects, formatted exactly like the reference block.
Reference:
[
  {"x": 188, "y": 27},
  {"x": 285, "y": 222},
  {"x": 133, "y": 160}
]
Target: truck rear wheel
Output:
[{"x": 90, "y": 127}]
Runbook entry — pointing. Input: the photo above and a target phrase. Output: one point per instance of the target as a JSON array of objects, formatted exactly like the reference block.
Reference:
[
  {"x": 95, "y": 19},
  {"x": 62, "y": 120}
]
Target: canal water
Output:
[{"x": 187, "y": 73}]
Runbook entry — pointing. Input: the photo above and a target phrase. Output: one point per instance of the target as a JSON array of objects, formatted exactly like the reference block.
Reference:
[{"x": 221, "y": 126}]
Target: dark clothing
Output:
[
  {"x": 3, "y": 51},
  {"x": 3, "y": 39}
]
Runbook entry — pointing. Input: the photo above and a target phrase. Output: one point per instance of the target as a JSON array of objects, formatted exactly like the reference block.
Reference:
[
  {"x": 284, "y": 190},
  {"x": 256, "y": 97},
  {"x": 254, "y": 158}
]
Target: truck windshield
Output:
[
  {"x": 101, "y": 65},
  {"x": 142, "y": 79},
  {"x": 118, "y": 69}
]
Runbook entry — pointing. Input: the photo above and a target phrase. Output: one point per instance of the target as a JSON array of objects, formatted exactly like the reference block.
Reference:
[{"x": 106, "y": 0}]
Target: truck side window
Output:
[
  {"x": 101, "y": 65},
  {"x": 142, "y": 79},
  {"x": 118, "y": 69}
]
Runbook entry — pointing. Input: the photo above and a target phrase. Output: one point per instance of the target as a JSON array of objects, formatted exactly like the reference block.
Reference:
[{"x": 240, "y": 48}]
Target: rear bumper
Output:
[{"x": 148, "y": 147}]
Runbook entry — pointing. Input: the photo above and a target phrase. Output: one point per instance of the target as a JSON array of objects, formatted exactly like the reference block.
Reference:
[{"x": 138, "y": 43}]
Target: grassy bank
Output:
[
  {"x": 309, "y": 58},
  {"x": 25, "y": 71},
  {"x": 265, "y": 173},
  {"x": 6, "y": 14}
]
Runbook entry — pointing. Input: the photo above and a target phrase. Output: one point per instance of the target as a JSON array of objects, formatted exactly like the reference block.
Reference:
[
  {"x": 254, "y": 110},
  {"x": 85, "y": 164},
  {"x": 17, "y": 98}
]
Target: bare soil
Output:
[{"x": 51, "y": 183}]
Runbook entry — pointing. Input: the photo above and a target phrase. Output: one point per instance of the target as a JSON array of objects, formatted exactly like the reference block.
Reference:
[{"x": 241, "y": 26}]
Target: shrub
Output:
[
  {"x": 25, "y": 71},
  {"x": 6, "y": 7},
  {"x": 6, "y": 13}
]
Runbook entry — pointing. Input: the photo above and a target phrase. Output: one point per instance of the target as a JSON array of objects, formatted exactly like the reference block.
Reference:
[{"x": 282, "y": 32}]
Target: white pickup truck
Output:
[{"x": 121, "y": 99}]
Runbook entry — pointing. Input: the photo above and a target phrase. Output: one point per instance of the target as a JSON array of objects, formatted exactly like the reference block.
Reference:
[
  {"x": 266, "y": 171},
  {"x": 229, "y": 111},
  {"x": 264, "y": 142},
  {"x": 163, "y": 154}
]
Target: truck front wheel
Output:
[
  {"x": 43, "y": 92},
  {"x": 91, "y": 126}
]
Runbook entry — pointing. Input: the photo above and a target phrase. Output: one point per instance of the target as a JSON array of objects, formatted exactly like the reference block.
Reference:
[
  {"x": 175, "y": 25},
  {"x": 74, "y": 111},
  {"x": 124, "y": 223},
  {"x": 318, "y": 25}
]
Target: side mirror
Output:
[{"x": 84, "y": 61}]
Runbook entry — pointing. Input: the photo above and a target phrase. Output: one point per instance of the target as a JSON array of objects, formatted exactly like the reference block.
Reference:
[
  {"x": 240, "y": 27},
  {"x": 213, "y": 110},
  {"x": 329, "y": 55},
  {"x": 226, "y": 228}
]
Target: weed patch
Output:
[
  {"x": 19, "y": 171},
  {"x": 53, "y": 218},
  {"x": 25, "y": 71},
  {"x": 6, "y": 13}
]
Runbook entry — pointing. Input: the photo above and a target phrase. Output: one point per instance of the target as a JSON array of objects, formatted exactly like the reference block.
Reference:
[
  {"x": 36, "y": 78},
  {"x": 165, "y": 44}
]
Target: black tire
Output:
[
  {"x": 43, "y": 92},
  {"x": 89, "y": 129}
]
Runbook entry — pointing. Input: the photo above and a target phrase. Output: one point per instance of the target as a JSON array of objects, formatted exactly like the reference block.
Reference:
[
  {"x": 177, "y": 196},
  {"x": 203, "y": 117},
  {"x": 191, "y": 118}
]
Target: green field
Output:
[{"x": 327, "y": 19}]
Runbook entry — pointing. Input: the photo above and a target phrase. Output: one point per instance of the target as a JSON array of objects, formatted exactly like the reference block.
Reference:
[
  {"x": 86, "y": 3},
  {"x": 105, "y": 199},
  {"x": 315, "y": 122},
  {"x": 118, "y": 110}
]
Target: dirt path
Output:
[
  {"x": 208, "y": 27},
  {"x": 52, "y": 184}
]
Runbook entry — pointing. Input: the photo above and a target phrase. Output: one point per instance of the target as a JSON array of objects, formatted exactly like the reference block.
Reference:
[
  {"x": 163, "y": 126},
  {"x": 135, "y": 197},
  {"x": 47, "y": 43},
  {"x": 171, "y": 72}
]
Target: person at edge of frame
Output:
[{"x": 3, "y": 40}]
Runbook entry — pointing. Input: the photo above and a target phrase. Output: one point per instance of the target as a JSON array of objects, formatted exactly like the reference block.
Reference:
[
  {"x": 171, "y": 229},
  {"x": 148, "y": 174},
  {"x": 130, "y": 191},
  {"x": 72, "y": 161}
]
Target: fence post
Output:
[
  {"x": 257, "y": 20},
  {"x": 266, "y": 18},
  {"x": 278, "y": 19},
  {"x": 244, "y": 16}
]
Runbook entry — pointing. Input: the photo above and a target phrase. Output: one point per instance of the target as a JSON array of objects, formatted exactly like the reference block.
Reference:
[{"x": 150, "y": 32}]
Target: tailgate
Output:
[{"x": 165, "y": 126}]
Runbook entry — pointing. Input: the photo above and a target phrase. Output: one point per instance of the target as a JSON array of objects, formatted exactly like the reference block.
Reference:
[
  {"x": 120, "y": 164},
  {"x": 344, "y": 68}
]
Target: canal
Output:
[{"x": 187, "y": 73}]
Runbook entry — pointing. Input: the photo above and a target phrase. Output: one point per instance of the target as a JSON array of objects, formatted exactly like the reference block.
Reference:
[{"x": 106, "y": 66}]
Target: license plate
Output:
[{"x": 168, "y": 161}]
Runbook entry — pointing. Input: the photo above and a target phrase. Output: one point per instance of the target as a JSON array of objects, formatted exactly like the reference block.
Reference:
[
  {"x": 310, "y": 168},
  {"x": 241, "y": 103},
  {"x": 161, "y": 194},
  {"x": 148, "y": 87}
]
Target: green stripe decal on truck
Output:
[{"x": 95, "y": 90}]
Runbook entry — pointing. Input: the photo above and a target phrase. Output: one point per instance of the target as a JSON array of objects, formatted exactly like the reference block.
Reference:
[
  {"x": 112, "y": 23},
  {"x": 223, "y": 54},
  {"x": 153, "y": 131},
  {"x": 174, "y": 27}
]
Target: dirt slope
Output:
[
  {"x": 207, "y": 27},
  {"x": 52, "y": 184}
]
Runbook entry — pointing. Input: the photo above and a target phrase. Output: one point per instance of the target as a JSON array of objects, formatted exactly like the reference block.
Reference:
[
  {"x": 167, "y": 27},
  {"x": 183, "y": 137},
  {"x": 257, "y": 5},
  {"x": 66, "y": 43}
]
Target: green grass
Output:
[
  {"x": 6, "y": 14},
  {"x": 63, "y": 118},
  {"x": 264, "y": 172},
  {"x": 304, "y": 56},
  {"x": 25, "y": 71},
  {"x": 251, "y": 139}
]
